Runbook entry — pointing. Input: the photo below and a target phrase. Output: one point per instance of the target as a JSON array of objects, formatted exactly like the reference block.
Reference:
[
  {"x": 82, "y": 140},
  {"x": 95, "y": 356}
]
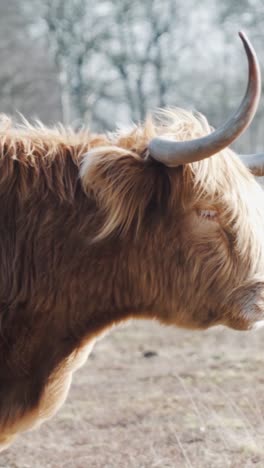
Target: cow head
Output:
[{"x": 187, "y": 215}]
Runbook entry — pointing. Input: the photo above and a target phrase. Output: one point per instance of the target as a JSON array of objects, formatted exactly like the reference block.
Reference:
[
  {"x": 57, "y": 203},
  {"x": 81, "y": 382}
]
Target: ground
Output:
[{"x": 157, "y": 397}]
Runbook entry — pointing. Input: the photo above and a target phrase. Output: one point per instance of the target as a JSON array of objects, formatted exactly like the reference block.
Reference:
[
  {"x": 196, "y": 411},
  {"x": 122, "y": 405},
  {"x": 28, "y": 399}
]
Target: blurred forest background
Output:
[{"x": 109, "y": 62}]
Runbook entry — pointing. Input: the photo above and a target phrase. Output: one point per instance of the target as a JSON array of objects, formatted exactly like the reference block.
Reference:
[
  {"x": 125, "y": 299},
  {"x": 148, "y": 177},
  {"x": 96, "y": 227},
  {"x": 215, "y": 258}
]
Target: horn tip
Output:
[
  {"x": 242, "y": 34},
  {"x": 244, "y": 38},
  {"x": 246, "y": 42}
]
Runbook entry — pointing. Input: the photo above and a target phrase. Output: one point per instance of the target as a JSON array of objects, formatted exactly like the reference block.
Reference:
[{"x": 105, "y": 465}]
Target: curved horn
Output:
[
  {"x": 254, "y": 162},
  {"x": 173, "y": 153}
]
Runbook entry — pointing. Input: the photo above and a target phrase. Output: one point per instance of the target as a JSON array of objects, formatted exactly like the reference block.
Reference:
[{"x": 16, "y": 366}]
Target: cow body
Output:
[{"x": 93, "y": 233}]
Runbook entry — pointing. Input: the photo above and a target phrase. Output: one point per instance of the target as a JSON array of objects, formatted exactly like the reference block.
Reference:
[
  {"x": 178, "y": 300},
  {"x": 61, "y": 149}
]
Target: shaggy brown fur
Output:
[{"x": 93, "y": 232}]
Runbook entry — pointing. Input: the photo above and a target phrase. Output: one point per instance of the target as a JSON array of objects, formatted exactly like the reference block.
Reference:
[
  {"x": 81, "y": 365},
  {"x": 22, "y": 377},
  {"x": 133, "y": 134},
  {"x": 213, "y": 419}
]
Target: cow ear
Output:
[{"x": 125, "y": 187}]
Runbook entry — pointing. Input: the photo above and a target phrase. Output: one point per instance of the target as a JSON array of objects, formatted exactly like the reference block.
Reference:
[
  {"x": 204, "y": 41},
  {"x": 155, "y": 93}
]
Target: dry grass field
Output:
[{"x": 156, "y": 397}]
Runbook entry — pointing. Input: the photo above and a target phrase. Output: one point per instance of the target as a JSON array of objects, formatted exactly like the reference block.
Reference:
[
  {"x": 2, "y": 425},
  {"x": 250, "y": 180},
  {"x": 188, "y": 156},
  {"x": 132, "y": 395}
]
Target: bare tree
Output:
[
  {"x": 28, "y": 81},
  {"x": 118, "y": 57},
  {"x": 115, "y": 60}
]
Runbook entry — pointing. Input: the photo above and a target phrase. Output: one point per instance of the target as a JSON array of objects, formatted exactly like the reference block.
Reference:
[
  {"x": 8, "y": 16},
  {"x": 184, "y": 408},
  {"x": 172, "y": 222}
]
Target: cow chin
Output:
[
  {"x": 245, "y": 307},
  {"x": 242, "y": 309}
]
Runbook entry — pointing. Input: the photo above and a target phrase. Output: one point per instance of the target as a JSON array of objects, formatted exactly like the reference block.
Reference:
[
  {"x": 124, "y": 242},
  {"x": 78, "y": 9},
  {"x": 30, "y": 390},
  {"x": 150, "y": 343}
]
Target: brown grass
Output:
[{"x": 199, "y": 403}]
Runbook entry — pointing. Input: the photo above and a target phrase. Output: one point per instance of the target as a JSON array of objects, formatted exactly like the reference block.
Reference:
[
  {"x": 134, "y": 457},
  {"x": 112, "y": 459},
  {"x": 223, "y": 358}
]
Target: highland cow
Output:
[{"x": 161, "y": 222}]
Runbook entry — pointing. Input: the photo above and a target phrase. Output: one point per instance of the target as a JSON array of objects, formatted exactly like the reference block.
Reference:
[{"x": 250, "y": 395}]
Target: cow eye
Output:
[{"x": 210, "y": 215}]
